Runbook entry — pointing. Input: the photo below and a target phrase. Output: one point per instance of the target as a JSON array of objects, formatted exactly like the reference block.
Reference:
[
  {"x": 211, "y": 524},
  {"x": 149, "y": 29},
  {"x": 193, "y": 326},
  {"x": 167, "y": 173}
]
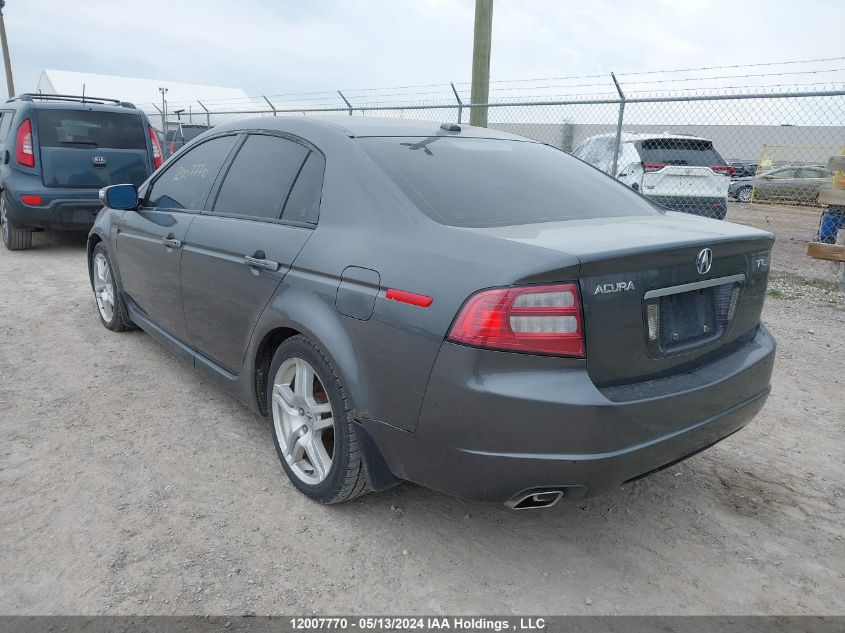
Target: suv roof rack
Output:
[{"x": 39, "y": 96}]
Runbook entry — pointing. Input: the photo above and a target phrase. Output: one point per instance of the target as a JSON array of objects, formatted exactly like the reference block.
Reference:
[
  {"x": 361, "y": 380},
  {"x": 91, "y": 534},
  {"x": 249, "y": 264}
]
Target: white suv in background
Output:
[{"x": 682, "y": 173}]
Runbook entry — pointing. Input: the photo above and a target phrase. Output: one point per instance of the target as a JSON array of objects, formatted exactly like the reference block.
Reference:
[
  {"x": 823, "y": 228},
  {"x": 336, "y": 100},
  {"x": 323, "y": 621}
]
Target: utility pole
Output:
[
  {"x": 163, "y": 92},
  {"x": 481, "y": 61},
  {"x": 10, "y": 84}
]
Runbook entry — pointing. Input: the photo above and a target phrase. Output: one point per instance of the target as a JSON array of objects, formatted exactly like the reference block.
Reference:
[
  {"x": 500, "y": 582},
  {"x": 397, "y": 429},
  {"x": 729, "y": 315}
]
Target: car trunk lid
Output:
[{"x": 630, "y": 264}]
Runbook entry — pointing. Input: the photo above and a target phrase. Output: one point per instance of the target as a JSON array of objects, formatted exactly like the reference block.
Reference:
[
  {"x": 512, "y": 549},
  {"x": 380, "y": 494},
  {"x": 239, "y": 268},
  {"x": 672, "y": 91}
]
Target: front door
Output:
[
  {"x": 149, "y": 240},
  {"x": 236, "y": 255}
]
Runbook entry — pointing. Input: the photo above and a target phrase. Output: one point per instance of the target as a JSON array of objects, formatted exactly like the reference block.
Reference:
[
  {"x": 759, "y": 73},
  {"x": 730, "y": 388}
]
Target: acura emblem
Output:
[{"x": 703, "y": 261}]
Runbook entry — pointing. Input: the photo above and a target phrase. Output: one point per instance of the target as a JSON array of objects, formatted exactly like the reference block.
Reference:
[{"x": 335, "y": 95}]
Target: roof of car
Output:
[
  {"x": 67, "y": 102},
  {"x": 98, "y": 107},
  {"x": 356, "y": 126}
]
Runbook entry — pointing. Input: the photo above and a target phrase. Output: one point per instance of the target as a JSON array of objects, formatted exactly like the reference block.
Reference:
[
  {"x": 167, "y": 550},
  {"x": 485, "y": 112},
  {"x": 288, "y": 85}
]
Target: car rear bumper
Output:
[
  {"x": 696, "y": 205},
  {"x": 62, "y": 211},
  {"x": 491, "y": 430}
]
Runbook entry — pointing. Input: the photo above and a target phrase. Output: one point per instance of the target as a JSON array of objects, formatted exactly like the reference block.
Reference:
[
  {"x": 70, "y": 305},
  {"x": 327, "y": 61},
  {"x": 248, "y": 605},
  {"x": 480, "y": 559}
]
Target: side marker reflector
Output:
[
  {"x": 409, "y": 297},
  {"x": 31, "y": 200}
]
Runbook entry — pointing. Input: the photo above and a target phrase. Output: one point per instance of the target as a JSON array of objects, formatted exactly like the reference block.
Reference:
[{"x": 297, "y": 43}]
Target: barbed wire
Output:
[
  {"x": 498, "y": 86},
  {"x": 323, "y": 95},
  {"x": 529, "y": 100}
]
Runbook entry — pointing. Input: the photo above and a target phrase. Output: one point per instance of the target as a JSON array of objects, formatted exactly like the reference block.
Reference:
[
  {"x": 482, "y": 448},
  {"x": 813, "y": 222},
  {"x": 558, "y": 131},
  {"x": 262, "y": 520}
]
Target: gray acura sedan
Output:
[{"x": 466, "y": 309}]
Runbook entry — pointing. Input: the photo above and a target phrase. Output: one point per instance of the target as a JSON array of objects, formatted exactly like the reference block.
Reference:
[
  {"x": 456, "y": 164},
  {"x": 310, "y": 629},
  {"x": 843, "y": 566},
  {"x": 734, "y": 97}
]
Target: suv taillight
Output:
[
  {"x": 158, "y": 158},
  {"x": 24, "y": 153},
  {"x": 728, "y": 169},
  {"x": 542, "y": 319},
  {"x": 653, "y": 166}
]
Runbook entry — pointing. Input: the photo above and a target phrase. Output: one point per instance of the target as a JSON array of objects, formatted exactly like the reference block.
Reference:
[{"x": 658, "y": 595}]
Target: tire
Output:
[
  {"x": 14, "y": 238},
  {"x": 744, "y": 194},
  {"x": 106, "y": 296},
  {"x": 308, "y": 414}
]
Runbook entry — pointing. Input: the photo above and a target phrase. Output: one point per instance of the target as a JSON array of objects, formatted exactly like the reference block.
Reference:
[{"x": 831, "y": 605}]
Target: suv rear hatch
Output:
[
  {"x": 648, "y": 311},
  {"x": 682, "y": 168},
  {"x": 91, "y": 148}
]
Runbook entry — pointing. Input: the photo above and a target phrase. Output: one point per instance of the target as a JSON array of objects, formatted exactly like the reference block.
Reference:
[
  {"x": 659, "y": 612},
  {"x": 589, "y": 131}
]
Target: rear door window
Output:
[
  {"x": 187, "y": 181},
  {"x": 679, "y": 151},
  {"x": 303, "y": 203},
  {"x": 5, "y": 125},
  {"x": 476, "y": 182},
  {"x": 814, "y": 173},
  {"x": 90, "y": 129},
  {"x": 260, "y": 177}
]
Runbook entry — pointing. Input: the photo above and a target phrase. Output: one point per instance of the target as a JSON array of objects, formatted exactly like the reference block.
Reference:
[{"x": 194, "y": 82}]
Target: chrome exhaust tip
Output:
[{"x": 534, "y": 500}]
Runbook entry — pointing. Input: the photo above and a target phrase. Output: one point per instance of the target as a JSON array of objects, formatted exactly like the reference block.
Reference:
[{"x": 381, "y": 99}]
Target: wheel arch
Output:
[
  {"x": 322, "y": 326},
  {"x": 94, "y": 238},
  {"x": 339, "y": 351},
  {"x": 263, "y": 358}
]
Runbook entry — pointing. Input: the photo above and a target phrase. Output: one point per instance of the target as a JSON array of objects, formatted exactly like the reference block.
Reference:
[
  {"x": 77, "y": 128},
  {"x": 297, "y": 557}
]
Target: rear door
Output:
[
  {"x": 149, "y": 240},
  {"x": 812, "y": 180},
  {"x": 237, "y": 253},
  {"x": 6, "y": 117},
  {"x": 92, "y": 148},
  {"x": 682, "y": 167},
  {"x": 778, "y": 185}
]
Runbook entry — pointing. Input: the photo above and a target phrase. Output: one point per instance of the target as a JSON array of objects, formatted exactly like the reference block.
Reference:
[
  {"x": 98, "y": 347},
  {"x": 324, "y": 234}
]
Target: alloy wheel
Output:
[
  {"x": 303, "y": 421},
  {"x": 104, "y": 287},
  {"x": 745, "y": 194}
]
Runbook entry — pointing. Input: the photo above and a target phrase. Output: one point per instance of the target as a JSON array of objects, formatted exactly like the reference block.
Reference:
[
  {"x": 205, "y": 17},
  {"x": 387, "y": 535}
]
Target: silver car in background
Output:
[
  {"x": 680, "y": 172},
  {"x": 785, "y": 185}
]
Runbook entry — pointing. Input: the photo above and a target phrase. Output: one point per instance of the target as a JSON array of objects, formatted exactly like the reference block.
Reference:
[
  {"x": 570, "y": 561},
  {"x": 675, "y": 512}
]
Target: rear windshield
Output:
[
  {"x": 189, "y": 133},
  {"x": 679, "y": 151},
  {"x": 85, "y": 128},
  {"x": 474, "y": 182}
]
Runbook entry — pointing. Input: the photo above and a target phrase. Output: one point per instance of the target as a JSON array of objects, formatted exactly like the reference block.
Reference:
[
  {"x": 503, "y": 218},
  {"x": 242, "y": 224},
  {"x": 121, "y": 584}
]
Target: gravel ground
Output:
[{"x": 130, "y": 485}]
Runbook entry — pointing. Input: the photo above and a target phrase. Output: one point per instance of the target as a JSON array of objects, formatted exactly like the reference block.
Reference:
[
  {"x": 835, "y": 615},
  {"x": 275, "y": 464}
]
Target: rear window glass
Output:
[
  {"x": 85, "y": 128},
  {"x": 474, "y": 182},
  {"x": 261, "y": 177},
  {"x": 189, "y": 133},
  {"x": 303, "y": 203},
  {"x": 679, "y": 151}
]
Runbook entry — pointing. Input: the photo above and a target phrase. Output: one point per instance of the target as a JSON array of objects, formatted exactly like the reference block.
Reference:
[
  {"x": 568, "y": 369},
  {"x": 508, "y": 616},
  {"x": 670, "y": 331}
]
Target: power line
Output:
[{"x": 674, "y": 70}]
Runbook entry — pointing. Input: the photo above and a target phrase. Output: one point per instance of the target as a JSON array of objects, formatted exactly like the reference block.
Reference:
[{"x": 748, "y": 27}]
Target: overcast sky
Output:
[{"x": 286, "y": 46}]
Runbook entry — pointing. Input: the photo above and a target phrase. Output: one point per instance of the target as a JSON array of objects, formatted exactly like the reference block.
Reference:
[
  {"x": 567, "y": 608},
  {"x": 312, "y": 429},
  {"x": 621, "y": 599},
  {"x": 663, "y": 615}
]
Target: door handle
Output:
[
  {"x": 266, "y": 264},
  {"x": 171, "y": 243}
]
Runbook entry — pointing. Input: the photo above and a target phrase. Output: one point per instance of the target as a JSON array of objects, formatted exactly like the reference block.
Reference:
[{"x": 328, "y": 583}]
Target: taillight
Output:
[
  {"x": 727, "y": 169},
  {"x": 31, "y": 200},
  {"x": 653, "y": 166},
  {"x": 543, "y": 319},
  {"x": 158, "y": 158},
  {"x": 24, "y": 154}
]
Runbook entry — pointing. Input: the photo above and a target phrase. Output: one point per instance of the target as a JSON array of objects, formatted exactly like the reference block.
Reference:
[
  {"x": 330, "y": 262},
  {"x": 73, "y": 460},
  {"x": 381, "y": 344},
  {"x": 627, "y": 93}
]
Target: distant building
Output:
[{"x": 144, "y": 93}]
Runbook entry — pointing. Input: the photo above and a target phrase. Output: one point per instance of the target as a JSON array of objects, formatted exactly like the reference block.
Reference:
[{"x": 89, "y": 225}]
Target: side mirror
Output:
[{"x": 121, "y": 197}]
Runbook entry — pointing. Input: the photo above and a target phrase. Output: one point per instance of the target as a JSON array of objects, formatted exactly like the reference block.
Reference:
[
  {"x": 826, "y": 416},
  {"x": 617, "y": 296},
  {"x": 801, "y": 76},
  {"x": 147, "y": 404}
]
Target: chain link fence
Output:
[{"x": 691, "y": 153}]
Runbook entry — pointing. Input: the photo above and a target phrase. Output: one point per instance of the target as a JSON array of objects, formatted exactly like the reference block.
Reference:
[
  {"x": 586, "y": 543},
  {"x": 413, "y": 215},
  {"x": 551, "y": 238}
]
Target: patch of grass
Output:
[{"x": 775, "y": 293}]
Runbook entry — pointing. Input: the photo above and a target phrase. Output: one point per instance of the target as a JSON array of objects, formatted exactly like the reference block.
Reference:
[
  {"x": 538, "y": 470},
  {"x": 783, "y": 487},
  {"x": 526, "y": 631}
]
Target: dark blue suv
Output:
[{"x": 58, "y": 151}]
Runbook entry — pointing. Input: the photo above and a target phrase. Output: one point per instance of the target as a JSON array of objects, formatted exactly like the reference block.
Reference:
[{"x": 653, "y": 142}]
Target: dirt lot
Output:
[{"x": 130, "y": 485}]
